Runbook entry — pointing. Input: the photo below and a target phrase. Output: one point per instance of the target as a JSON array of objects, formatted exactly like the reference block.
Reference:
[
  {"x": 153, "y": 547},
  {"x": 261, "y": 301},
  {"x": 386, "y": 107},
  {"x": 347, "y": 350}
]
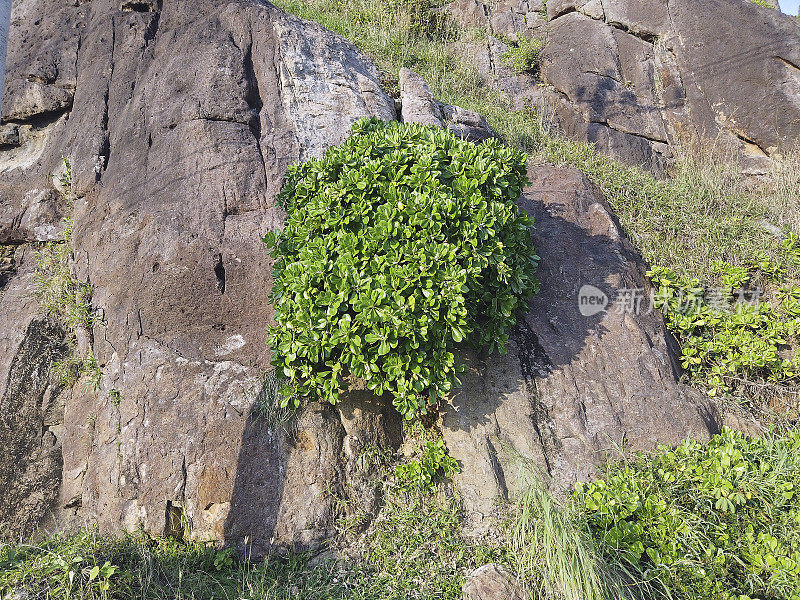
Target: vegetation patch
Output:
[
  {"x": 399, "y": 245},
  {"x": 522, "y": 55},
  {"x": 64, "y": 297},
  {"x": 718, "y": 521},
  {"x": 416, "y": 550},
  {"x": 424, "y": 472},
  {"x": 742, "y": 331}
]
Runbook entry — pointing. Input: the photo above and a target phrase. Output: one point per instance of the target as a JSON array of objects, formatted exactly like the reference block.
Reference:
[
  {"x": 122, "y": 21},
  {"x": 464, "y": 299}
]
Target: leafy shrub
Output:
[
  {"x": 730, "y": 333},
  {"x": 718, "y": 521},
  {"x": 421, "y": 473},
  {"x": 522, "y": 55},
  {"x": 400, "y": 244}
]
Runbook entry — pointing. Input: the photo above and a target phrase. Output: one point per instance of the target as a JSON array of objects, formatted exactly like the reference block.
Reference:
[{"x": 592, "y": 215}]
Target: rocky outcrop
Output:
[
  {"x": 646, "y": 80},
  {"x": 179, "y": 121},
  {"x": 5, "y": 16},
  {"x": 31, "y": 401},
  {"x": 589, "y": 373}
]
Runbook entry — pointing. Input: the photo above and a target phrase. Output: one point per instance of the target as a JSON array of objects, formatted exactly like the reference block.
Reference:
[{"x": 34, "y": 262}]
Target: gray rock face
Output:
[
  {"x": 573, "y": 390},
  {"x": 179, "y": 121},
  {"x": 647, "y": 80},
  {"x": 5, "y": 16},
  {"x": 31, "y": 402}
]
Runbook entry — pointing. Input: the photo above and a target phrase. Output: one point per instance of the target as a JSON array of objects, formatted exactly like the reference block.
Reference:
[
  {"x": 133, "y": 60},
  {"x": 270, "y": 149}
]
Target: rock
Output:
[
  {"x": 9, "y": 135},
  {"x": 5, "y": 15},
  {"x": 607, "y": 90},
  {"x": 419, "y": 106},
  {"x": 17, "y": 594},
  {"x": 646, "y": 81},
  {"x": 509, "y": 18},
  {"x": 492, "y": 582},
  {"x": 31, "y": 403},
  {"x": 573, "y": 390},
  {"x": 179, "y": 120}
]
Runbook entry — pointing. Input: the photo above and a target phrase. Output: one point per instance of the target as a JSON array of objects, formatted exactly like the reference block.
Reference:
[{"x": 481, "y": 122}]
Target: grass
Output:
[
  {"x": 659, "y": 527},
  {"x": 715, "y": 521},
  {"x": 415, "y": 550}
]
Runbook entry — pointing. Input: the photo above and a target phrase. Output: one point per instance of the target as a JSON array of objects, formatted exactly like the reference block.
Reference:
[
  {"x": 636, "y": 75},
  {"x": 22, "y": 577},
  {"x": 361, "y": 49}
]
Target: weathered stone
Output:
[
  {"x": 606, "y": 84},
  {"x": 748, "y": 91},
  {"x": 509, "y": 18},
  {"x": 9, "y": 135},
  {"x": 648, "y": 80},
  {"x": 573, "y": 390},
  {"x": 492, "y": 582},
  {"x": 179, "y": 121},
  {"x": 420, "y": 107},
  {"x": 31, "y": 406}
]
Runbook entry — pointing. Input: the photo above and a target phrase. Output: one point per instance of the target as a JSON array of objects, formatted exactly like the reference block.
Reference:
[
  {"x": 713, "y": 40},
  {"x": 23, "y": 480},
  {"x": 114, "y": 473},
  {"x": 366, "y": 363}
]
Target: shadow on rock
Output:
[{"x": 581, "y": 380}]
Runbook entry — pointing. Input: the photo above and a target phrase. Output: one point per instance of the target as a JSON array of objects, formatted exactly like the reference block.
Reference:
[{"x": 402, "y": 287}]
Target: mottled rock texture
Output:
[
  {"x": 179, "y": 121},
  {"x": 645, "y": 80},
  {"x": 419, "y": 106}
]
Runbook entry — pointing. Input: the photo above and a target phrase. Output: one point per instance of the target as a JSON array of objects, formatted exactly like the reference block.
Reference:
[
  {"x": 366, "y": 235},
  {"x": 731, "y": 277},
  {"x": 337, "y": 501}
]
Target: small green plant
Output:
[
  {"x": 736, "y": 331},
  {"x": 422, "y": 473},
  {"x": 400, "y": 244},
  {"x": 764, "y": 3},
  {"x": 522, "y": 55},
  {"x": 717, "y": 522},
  {"x": 64, "y": 297},
  {"x": 115, "y": 397}
]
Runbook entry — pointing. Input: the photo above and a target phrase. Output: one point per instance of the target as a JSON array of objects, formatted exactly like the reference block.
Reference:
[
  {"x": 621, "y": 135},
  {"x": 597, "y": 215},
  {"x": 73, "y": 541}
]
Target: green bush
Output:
[
  {"x": 399, "y": 244},
  {"x": 718, "y": 521},
  {"x": 422, "y": 473},
  {"x": 732, "y": 333},
  {"x": 522, "y": 55}
]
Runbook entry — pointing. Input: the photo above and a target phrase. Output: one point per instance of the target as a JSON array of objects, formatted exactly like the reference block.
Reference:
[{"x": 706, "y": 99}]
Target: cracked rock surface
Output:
[
  {"x": 645, "y": 80},
  {"x": 575, "y": 388}
]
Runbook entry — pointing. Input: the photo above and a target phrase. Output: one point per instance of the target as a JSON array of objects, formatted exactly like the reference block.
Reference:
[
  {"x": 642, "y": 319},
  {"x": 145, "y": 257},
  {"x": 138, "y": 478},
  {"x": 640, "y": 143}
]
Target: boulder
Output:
[
  {"x": 589, "y": 373},
  {"x": 492, "y": 582},
  {"x": 419, "y": 106},
  {"x": 179, "y": 119}
]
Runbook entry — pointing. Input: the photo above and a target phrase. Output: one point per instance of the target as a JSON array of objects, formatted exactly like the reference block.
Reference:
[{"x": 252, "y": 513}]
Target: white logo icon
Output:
[{"x": 591, "y": 300}]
